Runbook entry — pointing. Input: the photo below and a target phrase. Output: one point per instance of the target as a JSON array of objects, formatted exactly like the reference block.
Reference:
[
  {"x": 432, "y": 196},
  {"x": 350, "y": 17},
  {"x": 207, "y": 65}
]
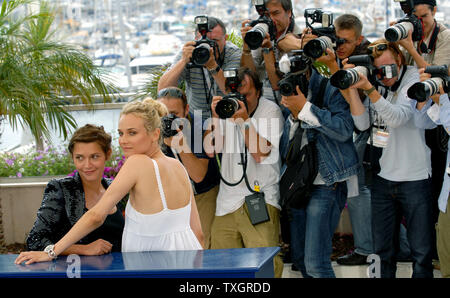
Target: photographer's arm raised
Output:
[
  {"x": 408, "y": 45},
  {"x": 196, "y": 167},
  {"x": 171, "y": 76},
  {"x": 211, "y": 65},
  {"x": 246, "y": 58}
]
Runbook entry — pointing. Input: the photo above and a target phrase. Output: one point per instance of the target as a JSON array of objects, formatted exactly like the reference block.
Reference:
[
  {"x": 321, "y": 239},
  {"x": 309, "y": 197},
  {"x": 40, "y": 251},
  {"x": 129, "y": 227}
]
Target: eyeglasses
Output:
[{"x": 170, "y": 92}]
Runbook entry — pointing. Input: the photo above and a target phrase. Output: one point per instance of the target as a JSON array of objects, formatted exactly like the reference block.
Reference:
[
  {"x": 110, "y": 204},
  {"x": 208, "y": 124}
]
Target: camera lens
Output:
[
  {"x": 423, "y": 90},
  {"x": 398, "y": 32},
  {"x": 287, "y": 86},
  {"x": 200, "y": 55},
  {"x": 343, "y": 79},
  {"x": 317, "y": 47},
  {"x": 227, "y": 107},
  {"x": 166, "y": 126},
  {"x": 255, "y": 36}
]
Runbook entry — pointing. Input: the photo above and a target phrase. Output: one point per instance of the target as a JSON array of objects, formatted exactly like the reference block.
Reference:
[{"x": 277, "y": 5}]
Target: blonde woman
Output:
[{"x": 160, "y": 213}]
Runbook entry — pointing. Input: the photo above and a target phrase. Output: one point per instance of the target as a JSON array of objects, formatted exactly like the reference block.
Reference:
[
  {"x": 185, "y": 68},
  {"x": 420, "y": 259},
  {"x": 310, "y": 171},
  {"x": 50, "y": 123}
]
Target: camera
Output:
[
  {"x": 345, "y": 78},
  {"x": 229, "y": 104},
  {"x": 423, "y": 90},
  {"x": 299, "y": 64},
  {"x": 167, "y": 124},
  {"x": 410, "y": 21},
  {"x": 263, "y": 25},
  {"x": 326, "y": 33},
  {"x": 200, "y": 55}
]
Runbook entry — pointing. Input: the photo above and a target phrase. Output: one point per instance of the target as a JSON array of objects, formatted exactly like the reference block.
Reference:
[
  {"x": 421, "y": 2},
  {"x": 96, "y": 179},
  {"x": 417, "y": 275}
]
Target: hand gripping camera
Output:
[
  {"x": 345, "y": 78},
  {"x": 200, "y": 55},
  {"x": 299, "y": 64},
  {"x": 229, "y": 104},
  {"x": 263, "y": 25},
  {"x": 423, "y": 90},
  {"x": 327, "y": 33},
  {"x": 400, "y": 30}
]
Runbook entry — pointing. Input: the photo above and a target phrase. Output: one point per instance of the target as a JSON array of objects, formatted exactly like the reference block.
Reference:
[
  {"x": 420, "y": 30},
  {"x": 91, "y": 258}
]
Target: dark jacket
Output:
[{"x": 62, "y": 206}]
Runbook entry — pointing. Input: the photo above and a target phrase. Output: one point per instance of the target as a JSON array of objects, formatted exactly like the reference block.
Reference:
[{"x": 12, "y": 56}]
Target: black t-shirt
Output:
[{"x": 194, "y": 135}]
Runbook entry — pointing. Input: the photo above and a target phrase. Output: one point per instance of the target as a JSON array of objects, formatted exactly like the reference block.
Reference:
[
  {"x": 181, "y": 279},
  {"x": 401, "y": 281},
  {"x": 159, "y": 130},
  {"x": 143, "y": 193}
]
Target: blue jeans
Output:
[
  {"x": 312, "y": 230},
  {"x": 359, "y": 209},
  {"x": 391, "y": 200},
  {"x": 361, "y": 221}
]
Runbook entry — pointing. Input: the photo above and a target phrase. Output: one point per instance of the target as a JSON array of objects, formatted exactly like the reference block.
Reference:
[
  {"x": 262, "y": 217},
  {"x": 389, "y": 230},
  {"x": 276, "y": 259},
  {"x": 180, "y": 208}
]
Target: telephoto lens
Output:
[
  {"x": 343, "y": 79},
  {"x": 227, "y": 106},
  {"x": 200, "y": 55},
  {"x": 317, "y": 47},
  {"x": 398, "y": 31},
  {"x": 255, "y": 36},
  {"x": 423, "y": 90}
]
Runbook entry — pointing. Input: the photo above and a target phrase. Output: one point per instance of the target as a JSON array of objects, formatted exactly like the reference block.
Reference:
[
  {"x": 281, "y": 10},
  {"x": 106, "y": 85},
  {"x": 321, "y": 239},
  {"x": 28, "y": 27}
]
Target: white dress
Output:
[{"x": 168, "y": 229}]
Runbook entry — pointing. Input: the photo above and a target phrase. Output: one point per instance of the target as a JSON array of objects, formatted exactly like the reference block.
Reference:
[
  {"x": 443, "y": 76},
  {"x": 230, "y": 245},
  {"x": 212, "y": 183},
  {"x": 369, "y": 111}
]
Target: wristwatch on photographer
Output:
[
  {"x": 213, "y": 71},
  {"x": 49, "y": 250},
  {"x": 367, "y": 92},
  {"x": 267, "y": 50}
]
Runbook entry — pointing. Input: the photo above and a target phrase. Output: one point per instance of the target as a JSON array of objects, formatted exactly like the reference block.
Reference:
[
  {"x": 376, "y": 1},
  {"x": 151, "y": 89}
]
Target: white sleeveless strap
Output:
[{"x": 160, "y": 188}]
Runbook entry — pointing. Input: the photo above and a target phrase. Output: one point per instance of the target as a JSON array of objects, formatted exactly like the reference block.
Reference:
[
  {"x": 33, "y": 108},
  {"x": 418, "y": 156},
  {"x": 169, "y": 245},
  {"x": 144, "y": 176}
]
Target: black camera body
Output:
[
  {"x": 326, "y": 33},
  {"x": 297, "y": 74},
  {"x": 410, "y": 21},
  {"x": 345, "y": 78},
  {"x": 167, "y": 126},
  {"x": 263, "y": 25},
  {"x": 423, "y": 90},
  {"x": 201, "y": 53},
  {"x": 229, "y": 104}
]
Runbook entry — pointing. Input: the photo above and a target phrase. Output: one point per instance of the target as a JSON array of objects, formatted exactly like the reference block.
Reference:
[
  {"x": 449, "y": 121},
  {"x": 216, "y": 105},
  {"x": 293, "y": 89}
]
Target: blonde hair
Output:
[
  {"x": 150, "y": 110},
  {"x": 391, "y": 47}
]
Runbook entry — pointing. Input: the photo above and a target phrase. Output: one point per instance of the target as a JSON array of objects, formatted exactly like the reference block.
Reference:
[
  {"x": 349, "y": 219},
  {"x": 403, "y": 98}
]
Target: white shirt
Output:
[{"x": 268, "y": 122}]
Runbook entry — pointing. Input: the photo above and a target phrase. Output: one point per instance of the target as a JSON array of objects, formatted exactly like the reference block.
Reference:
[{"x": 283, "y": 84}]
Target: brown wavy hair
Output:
[{"x": 91, "y": 133}]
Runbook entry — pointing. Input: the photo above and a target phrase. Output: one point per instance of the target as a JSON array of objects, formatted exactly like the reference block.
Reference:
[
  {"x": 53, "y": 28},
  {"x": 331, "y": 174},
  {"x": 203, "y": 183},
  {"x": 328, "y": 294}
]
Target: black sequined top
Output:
[{"x": 62, "y": 206}]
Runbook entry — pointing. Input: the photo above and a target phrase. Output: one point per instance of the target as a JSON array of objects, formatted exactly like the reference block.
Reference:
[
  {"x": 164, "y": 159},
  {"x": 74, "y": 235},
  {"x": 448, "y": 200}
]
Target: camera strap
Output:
[{"x": 433, "y": 40}]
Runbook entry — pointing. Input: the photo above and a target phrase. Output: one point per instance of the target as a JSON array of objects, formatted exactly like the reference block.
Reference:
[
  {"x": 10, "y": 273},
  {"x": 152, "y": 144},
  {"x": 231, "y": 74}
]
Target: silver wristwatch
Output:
[{"x": 51, "y": 253}]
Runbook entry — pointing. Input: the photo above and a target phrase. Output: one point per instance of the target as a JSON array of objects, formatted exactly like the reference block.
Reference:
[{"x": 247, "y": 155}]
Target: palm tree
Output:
[{"x": 39, "y": 74}]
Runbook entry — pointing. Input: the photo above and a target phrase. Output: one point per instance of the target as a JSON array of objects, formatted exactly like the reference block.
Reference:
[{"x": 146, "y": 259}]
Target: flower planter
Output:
[{"x": 20, "y": 198}]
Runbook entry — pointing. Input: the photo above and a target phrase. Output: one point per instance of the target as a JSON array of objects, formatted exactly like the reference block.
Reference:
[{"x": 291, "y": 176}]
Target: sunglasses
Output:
[
  {"x": 170, "y": 92},
  {"x": 380, "y": 48}
]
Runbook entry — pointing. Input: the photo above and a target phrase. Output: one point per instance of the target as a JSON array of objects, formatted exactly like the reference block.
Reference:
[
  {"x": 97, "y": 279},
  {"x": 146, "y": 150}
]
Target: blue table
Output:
[{"x": 214, "y": 263}]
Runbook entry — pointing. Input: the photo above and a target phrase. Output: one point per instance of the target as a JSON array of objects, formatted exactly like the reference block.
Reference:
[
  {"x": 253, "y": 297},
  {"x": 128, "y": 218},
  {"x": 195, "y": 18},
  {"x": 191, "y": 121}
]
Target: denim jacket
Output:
[{"x": 338, "y": 159}]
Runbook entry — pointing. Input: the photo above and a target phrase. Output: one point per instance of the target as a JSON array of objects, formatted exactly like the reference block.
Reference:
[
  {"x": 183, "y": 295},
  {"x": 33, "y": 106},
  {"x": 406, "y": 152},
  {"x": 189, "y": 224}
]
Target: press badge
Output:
[
  {"x": 380, "y": 137},
  {"x": 256, "y": 206}
]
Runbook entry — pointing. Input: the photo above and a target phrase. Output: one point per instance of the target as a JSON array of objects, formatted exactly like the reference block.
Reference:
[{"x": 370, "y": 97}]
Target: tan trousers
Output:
[
  {"x": 443, "y": 241},
  {"x": 206, "y": 206},
  {"x": 235, "y": 230}
]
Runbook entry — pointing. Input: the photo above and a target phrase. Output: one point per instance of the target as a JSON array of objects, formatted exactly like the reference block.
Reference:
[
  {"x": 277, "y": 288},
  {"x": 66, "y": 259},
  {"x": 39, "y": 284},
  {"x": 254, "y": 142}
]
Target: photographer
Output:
[
  {"x": 436, "y": 52},
  {"x": 250, "y": 169},
  {"x": 331, "y": 128},
  {"x": 183, "y": 139},
  {"x": 427, "y": 117},
  {"x": 349, "y": 32},
  {"x": 403, "y": 186},
  {"x": 204, "y": 81},
  {"x": 264, "y": 59},
  {"x": 436, "y": 38}
]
